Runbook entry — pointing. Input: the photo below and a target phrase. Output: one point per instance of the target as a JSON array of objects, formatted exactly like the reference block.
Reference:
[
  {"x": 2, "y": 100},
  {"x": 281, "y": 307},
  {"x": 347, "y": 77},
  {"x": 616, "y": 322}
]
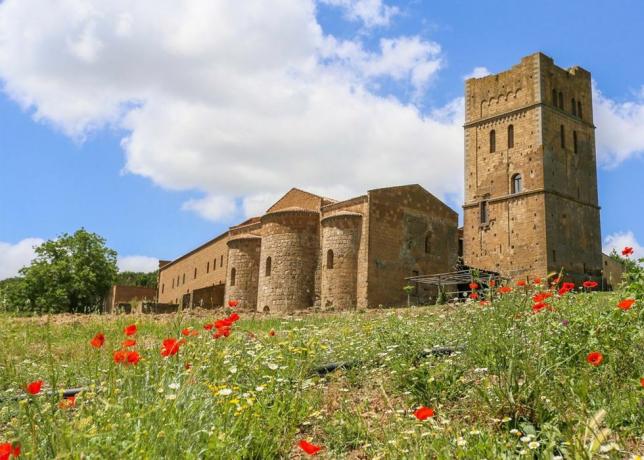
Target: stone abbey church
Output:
[{"x": 531, "y": 208}]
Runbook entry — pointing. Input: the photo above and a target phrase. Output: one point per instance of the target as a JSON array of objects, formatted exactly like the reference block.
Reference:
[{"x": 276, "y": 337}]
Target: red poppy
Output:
[
  {"x": 130, "y": 330},
  {"x": 483, "y": 303},
  {"x": 474, "y": 295},
  {"x": 505, "y": 289},
  {"x": 642, "y": 382},
  {"x": 120, "y": 356},
  {"x": 627, "y": 251},
  {"x": 128, "y": 343},
  {"x": 34, "y": 387},
  {"x": 226, "y": 322},
  {"x": 423, "y": 413},
  {"x": 271, "y": 333},
  {"x": 537, "y": 281},
  {"x": 191, "y": 332},
  {"x": 98, "y": 340},
  {"x": 492, "y": 283},
  {"x": 170, "y": 347},
  {"x": 8, "y": 450},
  {"x": 222, "y": 332},
  {"x": 521, "y": 283},
  {"x": 541, "y": 296},
  {"x": 234, "y": 317},
  {"x": 566, "y": 287},
  {"x": 474, "y": 285},
  {"x": 233, "y": 303},
  {"x": 208, "y": 326},
  {"x": 626, "y": 304},
  {"x": 133, "y": 357},
  {"x": 67, "y": 403},
  {"x": 309, "y": 448},
  {"x": 595, "y": 358},
  {"x": 590, "y": 284},
  {"x": 537, "y": 307}
]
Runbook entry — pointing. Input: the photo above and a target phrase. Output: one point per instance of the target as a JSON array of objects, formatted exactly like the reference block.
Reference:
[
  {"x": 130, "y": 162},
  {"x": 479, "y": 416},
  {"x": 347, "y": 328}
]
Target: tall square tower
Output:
[{"x": 531, "y": 204}]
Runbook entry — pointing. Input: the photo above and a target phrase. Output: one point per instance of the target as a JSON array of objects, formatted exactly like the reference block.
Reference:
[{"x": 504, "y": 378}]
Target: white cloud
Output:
[
  {"x": 620, "y": 128},
  {"x": 137, "y": 264},
  {"x": 238, "y": 100},
  {"x": 370, "y": 12},
  {"x": 620, "y": 240},
  {"x": 477, "y": 72},
  {"x": 15, "y": 256}
]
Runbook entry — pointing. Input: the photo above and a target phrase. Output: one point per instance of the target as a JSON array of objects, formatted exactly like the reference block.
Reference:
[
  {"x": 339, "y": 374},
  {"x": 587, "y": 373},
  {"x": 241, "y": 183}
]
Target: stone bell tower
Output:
[{"x": 531, "y": 205}]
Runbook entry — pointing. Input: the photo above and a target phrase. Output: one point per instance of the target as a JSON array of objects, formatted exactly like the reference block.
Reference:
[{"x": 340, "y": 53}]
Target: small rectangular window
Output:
[
  {"x": 162, "y": 288},
  {"x": 208, "y": 267},
  {"x": 484, "y": 213},
  {"x": 562, "y": 134}
]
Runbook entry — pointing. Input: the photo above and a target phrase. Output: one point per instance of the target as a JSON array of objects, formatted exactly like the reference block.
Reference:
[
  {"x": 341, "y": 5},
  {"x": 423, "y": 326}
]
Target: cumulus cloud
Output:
[
  {"x": 620, "y": 128},
  {"x": 15, "y": 256},
  {"x": 620, "y": 240},
  {"x": 477, "y": 72},
  {"x": 237, "y": 100},
  {"x": 370, "y": 12},
  {"x": 137, "y": 264}
]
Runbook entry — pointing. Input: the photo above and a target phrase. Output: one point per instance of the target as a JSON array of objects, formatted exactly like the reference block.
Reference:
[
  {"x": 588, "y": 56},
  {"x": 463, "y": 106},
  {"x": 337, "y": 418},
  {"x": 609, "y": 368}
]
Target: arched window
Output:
[
  {"x": 329, "y": 259},
  {"x": 517, "y": 183},
  {"x": 492, "y": 141},
  {"x": 233, "y": 275},
  {"x": 574, "y": 106},
  {"x": 428, "y": 243},
  {"x": 562, "y": 134},
  {"x": 574, "y": 141},
  {"x": 579, "y": 109},
  {"x": 208, "y": 267},
  {"x": 554, "y": 97},
  {"x": 269, "y": 266},
  {"x": 561, "y": 100},
  {"x": 510, "y": 136}
]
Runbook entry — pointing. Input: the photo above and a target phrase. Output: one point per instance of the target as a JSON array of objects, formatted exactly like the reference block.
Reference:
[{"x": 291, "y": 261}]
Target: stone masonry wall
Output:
[
  {"x": 340, "y": 234},
  {"x": 291, "y": 239},
  {"x": 243, "y": 257}
]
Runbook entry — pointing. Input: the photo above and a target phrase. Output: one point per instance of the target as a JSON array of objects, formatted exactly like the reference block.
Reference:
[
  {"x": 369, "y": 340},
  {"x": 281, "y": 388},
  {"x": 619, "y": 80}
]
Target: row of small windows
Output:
[
  {"x": 558, "y": 101},
  {"x": 510, "y": 139},
  {"x": 182, "y": 279}
]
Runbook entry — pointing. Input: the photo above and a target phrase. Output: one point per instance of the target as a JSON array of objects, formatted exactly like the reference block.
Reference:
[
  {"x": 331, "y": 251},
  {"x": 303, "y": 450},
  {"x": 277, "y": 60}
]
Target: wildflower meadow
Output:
[{"x": 538, "y": 369}]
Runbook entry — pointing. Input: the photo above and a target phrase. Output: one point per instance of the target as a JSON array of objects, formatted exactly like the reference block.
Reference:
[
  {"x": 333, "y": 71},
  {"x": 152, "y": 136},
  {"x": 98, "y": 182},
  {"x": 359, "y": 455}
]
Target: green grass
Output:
[{"x": 520, "y": 379}]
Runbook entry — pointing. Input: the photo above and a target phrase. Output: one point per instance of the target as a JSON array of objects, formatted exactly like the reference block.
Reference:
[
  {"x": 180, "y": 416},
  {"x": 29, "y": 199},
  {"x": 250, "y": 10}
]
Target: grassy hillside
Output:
[{"x": 519, "y": 383}]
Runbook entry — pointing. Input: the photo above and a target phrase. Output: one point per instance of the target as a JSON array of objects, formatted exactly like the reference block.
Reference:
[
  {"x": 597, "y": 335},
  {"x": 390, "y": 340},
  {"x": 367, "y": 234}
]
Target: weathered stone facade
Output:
[
  {"x": 313, "y": 251},
  {"x": 531, "y": 205}
]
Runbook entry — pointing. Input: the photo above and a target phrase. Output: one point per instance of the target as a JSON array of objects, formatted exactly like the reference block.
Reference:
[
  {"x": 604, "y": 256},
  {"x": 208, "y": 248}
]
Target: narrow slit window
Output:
[
  {"x": 183, "y": 279},
  {"x": 554, "y": 97},
  {"x": 162, "y": 288},
  {"x": 221, "y": 261},
  {"x": 483, "y": 211},
  {"x": 233, "y": 274},
  {"x": 492, "y": 141},
  {"x": 574, "y": 141},
  {"x": 329, "y": 259},
  {"x": 579, "y": 109},
  {"x": 269, "y": 266},
  {"x": 561, "y": 101},
  {"x": 510, "y": 136},
  {"x": 208, "y": 267},
  {"x": 195, "y": 277},
  {"x": 562, "y": 135},
  {"x": 428, "y": 243},
  {"x": 574, "y": 106}
]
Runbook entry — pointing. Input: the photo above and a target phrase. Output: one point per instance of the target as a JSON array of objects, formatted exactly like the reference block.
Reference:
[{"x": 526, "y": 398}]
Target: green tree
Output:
[
  {"x": 71, "y": 273},
  {"x": 137, "y": 279}
]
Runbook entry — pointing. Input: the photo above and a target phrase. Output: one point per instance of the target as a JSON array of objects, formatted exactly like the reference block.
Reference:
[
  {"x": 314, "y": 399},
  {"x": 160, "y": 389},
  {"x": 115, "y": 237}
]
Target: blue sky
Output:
[{"x": 158, "y": 129}]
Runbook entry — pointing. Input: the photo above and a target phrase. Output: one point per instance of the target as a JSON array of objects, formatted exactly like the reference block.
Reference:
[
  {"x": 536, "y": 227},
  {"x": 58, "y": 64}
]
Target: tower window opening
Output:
[
  {"x": 428, "y": 243},
  {"x": 483, "y": 212},
  {"x": 329, "y": 259},
  {"x": 574, "y": 141},
  {"x": 554, "y": 97},
  {"x": 269, "y": 266},
  {"x": 510, "y": 136},
  {"x": 517, "y": 183},
  {"x": 561, "y": 106},
  {"x": 562, "y": 135},
  {"x": 233, "y": 275},
  {"x": 492, "y": 141},
  {"x": 579, "y": 109},
  {"x": 574, "y": 106}
]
